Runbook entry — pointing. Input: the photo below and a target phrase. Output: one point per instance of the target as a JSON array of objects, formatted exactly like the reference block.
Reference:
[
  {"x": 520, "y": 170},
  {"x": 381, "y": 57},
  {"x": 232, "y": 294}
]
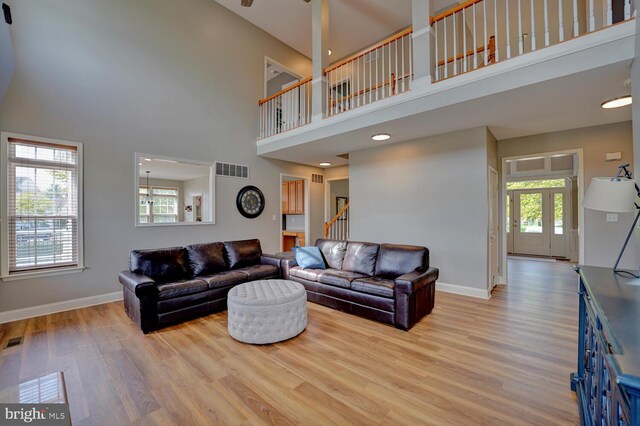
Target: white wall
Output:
[
  {"x": 7, "y": 61},
  {"x": 603, "y": 240},
  {"x": 175, "y": 79},
  {"x": 430, "y": 192}
]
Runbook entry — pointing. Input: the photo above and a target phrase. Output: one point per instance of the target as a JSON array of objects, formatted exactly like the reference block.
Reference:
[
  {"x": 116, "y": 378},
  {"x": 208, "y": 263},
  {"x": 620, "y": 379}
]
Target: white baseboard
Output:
[
  {"x": 463, "y": 291},
  {"x": 52, "y": 308}
]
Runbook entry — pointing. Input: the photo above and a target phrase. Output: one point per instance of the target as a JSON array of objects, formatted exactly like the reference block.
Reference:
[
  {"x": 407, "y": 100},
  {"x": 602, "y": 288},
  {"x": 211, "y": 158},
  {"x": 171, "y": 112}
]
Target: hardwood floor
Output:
[{"x": 504, "y": 361}]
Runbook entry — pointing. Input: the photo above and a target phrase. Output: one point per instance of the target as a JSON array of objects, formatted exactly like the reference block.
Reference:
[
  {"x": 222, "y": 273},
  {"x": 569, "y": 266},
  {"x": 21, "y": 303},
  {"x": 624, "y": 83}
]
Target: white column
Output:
[
  {"x": 320, "y": 57},
  {"x": 423, "y": 42}
]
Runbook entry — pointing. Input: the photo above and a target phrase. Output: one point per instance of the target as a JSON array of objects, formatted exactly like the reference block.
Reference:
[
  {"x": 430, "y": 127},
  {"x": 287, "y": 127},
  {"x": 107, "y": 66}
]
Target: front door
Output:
[
  {"x": 531, "y": 222},
  {"x": 539, "y": 222}
]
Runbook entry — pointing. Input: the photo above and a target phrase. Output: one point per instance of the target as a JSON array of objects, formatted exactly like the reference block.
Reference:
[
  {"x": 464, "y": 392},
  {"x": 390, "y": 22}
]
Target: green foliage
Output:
[{"x": 531, "y": 203}]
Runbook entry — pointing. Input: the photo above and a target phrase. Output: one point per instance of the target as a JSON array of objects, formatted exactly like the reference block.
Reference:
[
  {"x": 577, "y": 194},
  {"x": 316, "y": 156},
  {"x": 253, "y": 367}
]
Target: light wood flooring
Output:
[{"x": 505, "y": 361}]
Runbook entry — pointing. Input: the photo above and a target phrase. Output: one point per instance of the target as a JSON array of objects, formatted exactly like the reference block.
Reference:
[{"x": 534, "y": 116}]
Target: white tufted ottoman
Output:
[{"x": 267, "y": 311}]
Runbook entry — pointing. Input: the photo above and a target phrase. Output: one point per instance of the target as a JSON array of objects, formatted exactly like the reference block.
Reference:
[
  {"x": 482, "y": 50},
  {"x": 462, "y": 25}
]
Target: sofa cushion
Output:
[
  {"x": 360, "y": 258},
  {"x": 306, "y": 274},
  {"x": 206, "y": 259},
  {"x": 374, "y": 285},
  {"x": 338, "y": 278},
  {"x": 395, "y": 260},
  {"x": 333, "y": 252},
  {"x": 181, "y": 288},
  {"x": 243, "y": 253},
  {"x": 222, "y": 279},
  {"x": 309, "y": 257},
  {"x": 258, "y": 272},
  {"x": 161, "y": 265}
]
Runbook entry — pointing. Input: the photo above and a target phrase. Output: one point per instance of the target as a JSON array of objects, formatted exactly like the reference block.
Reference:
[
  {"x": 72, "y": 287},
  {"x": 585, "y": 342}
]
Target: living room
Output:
[{"x": 182, "y": 82}]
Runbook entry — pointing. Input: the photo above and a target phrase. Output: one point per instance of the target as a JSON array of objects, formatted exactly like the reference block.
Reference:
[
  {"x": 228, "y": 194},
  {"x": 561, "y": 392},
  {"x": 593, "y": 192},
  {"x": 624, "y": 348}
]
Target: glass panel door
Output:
[{"x": 532, "y": 225}]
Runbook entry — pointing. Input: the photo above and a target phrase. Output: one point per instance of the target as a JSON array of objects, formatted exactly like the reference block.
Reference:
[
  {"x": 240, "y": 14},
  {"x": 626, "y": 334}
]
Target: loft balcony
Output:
[{"x": 481, "y": 49}]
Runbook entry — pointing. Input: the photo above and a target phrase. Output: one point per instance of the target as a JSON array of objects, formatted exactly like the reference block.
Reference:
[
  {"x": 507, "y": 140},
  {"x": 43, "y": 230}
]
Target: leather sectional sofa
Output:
[
  {"x": 386, "y": 282},
  {"x": 167, "y": 286}
]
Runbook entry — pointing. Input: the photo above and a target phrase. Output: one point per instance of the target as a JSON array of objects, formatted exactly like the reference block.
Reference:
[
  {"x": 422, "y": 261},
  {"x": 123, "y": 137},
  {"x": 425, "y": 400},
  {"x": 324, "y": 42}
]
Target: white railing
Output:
[
  {"x": 373, "y": 74},
  {"x": 286, "y": 110},
  {"x": 338, "y": 227},
  {"x": 477, "y": 33}
]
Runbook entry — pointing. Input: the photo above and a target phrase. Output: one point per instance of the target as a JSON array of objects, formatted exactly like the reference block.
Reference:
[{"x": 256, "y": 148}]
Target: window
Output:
[
  {"x": 42, "y": 205},
  {"x": 537, "y": 184},
  {"x": 158, "y": 205}
]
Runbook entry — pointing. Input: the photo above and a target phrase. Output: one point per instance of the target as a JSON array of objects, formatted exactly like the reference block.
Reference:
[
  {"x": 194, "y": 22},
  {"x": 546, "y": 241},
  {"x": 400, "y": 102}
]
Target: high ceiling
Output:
[{"x": 353, "y": 24}]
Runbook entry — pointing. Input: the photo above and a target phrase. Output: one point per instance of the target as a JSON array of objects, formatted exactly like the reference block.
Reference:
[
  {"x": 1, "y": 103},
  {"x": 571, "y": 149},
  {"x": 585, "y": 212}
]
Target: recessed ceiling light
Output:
[
  {"x": 330, "y": 52},
  {"x": 324, "y": 164},
  {"x": 617, "y": 102},
  {"x": 381, "y": 137},
  {"x": 147, "y": 159},
  {"x": 139, "y": 164}
]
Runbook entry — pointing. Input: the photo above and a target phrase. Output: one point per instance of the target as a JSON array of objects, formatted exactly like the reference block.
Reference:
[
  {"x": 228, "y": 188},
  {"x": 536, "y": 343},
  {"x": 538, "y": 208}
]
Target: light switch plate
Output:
[{"x": 612, "y": 217}]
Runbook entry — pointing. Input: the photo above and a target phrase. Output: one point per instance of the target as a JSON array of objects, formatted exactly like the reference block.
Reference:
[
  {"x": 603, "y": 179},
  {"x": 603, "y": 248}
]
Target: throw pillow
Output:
[{"x": 309, "y": 257}]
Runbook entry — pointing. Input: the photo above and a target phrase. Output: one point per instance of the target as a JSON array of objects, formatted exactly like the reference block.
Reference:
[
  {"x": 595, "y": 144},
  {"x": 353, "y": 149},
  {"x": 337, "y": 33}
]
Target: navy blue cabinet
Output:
[{"x": 607, "y": 382}]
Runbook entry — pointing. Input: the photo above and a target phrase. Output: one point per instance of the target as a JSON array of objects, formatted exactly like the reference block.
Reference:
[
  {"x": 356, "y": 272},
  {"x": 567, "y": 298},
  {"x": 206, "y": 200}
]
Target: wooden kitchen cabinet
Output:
[
  {"x": 293, "y": 197},
  {"x": 285, "y": 197},
  {"x": 299, "y": 197}
]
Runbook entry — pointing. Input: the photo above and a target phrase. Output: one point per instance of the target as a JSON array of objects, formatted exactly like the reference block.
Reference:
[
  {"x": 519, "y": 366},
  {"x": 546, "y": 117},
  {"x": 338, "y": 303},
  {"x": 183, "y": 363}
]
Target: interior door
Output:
[
  {"x": 509, "y": 221},
  {"x": 494, "y": 226},
  {"x": 531, "y": 222}
]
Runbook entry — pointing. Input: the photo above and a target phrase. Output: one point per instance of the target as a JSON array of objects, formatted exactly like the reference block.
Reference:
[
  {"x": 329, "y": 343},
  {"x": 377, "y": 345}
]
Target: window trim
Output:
[
  {"x": 4, "y": 213},
  {"x": 150, "y": 189}
]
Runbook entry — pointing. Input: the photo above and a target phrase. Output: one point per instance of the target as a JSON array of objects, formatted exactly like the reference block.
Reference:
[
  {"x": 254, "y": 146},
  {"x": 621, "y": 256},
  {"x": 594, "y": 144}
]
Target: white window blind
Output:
[{"x": 42, "y": 205}]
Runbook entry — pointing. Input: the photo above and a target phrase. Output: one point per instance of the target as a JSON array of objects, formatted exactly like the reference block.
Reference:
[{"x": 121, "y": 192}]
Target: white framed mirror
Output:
[{"x": 173, "y": 191}]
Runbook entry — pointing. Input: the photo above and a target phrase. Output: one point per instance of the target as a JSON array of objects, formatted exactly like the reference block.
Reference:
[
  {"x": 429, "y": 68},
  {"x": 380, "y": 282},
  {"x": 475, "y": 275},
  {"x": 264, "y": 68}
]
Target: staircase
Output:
[{"x": 338, "y": 227}]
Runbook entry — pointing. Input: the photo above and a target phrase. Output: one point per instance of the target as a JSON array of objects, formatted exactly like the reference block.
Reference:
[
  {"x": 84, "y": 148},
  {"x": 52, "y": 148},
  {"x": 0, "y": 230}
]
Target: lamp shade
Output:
[{"x": 611, "y": 195}]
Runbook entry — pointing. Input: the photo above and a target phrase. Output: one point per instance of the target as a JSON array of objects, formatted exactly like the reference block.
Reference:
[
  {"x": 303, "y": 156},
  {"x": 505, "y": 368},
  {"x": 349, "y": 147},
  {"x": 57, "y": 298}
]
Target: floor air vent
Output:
[
  {"x": 232, "y": 170},
  {"x": 317, "y": 178},
  {"x": 15, "y": 341}
]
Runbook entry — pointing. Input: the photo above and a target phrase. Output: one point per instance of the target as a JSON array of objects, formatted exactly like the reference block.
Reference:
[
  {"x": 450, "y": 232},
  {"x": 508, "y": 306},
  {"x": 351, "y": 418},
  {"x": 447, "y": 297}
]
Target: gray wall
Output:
[
  {"x": 603, "y": 240},
  {"x": 275, "y": 84},
  {"x": 155, "y": 76},
  {"x": 7, "y": 61},
  {"x": 430, "y": 192},
  {"x": 338, "y": 188}
]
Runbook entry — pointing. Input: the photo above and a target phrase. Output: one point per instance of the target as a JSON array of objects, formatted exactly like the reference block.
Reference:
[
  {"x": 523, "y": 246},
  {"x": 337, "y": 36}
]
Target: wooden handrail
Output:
[
  {"x": 334, "y": 220},
  {"x": 450, "y": 12},
  {"x": 370, "y": 49},
  {"x": 492, "y": 52},
  {"x": 285, "y": 90}
]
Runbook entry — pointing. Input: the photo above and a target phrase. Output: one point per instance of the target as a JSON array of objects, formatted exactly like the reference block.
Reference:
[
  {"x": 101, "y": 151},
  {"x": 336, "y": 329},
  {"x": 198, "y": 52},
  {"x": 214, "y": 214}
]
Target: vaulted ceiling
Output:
[{"x": 354, "y": 24}]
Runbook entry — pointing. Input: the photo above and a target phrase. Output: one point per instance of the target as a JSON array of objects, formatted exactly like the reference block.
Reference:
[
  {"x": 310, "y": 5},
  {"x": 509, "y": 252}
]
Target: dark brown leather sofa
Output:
[
  {"x": 168, "y": 286},
  {"x": 390, "y": 283}
]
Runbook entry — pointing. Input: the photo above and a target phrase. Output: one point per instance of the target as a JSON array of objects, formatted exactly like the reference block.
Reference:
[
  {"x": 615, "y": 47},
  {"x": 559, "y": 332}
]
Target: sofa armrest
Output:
[
  {"x": 286, "y": 263},
  {"x": 140, "y": 285},
  {"x": 269, "y": 259},
  {"x": 409, "y": 283}
]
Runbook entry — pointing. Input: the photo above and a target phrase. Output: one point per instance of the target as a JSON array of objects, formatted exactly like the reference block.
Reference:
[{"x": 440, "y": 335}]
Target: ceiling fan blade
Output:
[{"x": 246, "y": 3}]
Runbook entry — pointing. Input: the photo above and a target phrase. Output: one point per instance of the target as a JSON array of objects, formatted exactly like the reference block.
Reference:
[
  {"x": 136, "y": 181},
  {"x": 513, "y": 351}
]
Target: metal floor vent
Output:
[{"x": 14, "y": 341}]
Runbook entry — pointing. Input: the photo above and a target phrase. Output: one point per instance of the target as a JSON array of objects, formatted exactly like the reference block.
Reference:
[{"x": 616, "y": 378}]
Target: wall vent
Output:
[
  {"x": 232, "y": 170},
  {"x": 317, "y": 178},
  {"x": 15, "y": 341}
]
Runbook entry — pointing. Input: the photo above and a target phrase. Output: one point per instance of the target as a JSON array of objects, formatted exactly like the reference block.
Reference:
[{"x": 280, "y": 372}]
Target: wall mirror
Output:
[{"x": 173, "y": 191}]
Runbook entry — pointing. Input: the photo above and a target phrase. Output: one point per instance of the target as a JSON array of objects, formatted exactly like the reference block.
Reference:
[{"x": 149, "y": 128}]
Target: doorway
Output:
[
  {"x": 294, "y": 211},
  {"x": 277, "y": 77},
  {"x": 541, "y": 195},
  {"x": 540, "y": 218}
]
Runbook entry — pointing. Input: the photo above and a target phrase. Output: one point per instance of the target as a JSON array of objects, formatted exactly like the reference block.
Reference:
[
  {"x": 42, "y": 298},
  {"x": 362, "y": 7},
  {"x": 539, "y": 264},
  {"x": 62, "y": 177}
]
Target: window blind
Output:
[{"x": 42, "y": 205}]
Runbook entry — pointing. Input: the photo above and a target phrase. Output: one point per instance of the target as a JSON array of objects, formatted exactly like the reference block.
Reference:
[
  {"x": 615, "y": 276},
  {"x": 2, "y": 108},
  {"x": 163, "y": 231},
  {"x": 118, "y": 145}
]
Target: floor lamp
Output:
[{"x": 616, "y": 195}]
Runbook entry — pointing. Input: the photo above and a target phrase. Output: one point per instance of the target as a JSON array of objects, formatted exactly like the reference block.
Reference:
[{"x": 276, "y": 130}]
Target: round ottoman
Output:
[{"x": 267, "y": 311}]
